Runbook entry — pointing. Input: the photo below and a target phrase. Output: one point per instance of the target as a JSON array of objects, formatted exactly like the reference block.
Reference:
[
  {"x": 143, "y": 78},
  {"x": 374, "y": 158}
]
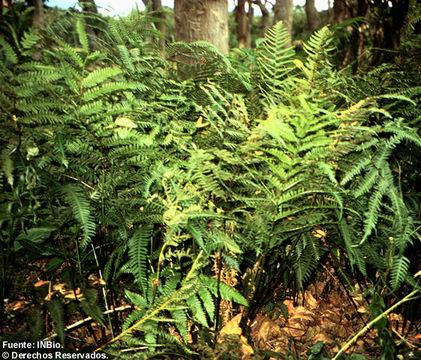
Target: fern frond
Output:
[
  {"x": 57, "y": 313},
  {"x": 138, "y": 251},
  {"x": 99, "y": 76},
  {"x": 82, "y": 211},
  {"x": 196, "y": 307},
  {"x": 226, "y": 291},
  {"x": 83, "y": 37},
  {"x": 399, "y": 271}
]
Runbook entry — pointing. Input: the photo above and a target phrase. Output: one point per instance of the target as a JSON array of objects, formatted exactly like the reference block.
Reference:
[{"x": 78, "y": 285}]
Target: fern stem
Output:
[
  {"x": 141, "y": 321},
  {"x": 408, "y": 297},
  {"x": 104, "y": 288},
  {"x": 158, "y": 309},
  {"x": 79, "y": 260},
  {"x": 81, "y": 322},
  {"x": 218, "y": 298}
]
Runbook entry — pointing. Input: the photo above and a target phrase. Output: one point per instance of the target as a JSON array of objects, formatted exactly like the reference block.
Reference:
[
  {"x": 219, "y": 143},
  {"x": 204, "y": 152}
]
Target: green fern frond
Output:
[
  {"x": 226, "y": 291},
  {"x": 71, "y": 53},
  {"x": 83, "y": 37},
  {"x": 91, "y": 307},
  {"x": 7, "y": 52},
  {"x": 371, "y": 217},
  {"x": 208, "y": 302},
  {"x": 196, "y": 307},
  {"x": 138, "y": 252},
  {"x": 274, "y": 61},
  {"x": 181, "y": 322},
  {"x": 399, "y": 271},
  {"x": 99, "y": 76},
  {"x": 29, "y": 39},
  {"x": 57, "y": 313},
  {"x": 82, "y": 211}
]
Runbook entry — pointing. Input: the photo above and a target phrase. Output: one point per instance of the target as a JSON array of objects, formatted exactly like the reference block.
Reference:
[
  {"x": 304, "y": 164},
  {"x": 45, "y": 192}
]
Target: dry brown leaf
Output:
[
  {"x": 232, "y": 327},
  {"x": 246, "y": 349},
  {"x": 60, "y": 288},
  {"x": 268, "y": 330},
  {"x": 301, "y": 313},
  {"x": 310, "y": 300},
  {"x": 41, "y": 283},
  {"x": 322, "y": 337},
  {"x": 294, "y": 331},
  {"x": 73, "y": 294},
  {"x": 17, "y": 305}
]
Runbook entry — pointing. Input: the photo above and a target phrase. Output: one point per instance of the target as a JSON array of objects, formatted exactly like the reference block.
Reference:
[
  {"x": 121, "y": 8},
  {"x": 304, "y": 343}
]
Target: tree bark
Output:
[
  {"x": 312, "y": 15},
  {"x": 38, "y": 19},
  {"x": 339, "y": 12},
  {"x": 202, "y": 20},
  {"x": 89, "y": 6},
  {"x": 243, "y": 26},
  {"x": 264, "y": 21},
  {"x": 283, "y": 12},
  {"x": 158, "y": 13}
]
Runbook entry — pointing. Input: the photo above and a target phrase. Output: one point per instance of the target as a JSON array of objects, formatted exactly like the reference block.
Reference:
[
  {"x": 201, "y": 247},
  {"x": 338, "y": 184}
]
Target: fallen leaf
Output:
[
  {"x": 18, "y": 305},
  {"x": 41, "y": 283},
  {"x": 232, "y": 327}
]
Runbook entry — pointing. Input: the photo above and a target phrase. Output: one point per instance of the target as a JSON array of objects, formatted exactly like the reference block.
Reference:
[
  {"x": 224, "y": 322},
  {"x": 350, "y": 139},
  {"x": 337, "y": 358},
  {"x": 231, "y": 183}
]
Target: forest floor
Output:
[{"x": 325, "y": 313}]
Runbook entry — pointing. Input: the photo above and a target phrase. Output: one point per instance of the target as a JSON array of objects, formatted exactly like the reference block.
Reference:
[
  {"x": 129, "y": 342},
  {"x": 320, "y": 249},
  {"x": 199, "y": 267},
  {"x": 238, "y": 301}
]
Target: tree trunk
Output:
[
  {"x": 339, "y": 12},
  {"x": 89, "y": 6},
  {"x": 202, "y": 20},
  {"x": 38, "y": 19},
  {"x": 283, "y": 12},
  {"x": 90, "y": 9},
  {"x": 157, "y": 7},
  {"x": 312, "y": 15},
  {"x": 265, "y": 16},
  {"x": 158, "y": 13},
  {"x": 243, "y": 26}
]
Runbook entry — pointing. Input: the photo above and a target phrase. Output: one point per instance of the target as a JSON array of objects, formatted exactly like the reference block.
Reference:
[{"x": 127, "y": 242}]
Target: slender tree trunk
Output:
[
  {"x": 89, "y": 6},
  {"x": 38, "y": 23},
  {"x": 38, "y": 19},
  {"x": 312, "y": 15},
  {"x": 156, "y": 7},
  {"x": 265, "y": 16},
  {"x": 158, "y": 13},
  {"x": 243, "y": 28},
  {"x": 202, "y": 20},
  {"x": 283, "y": 12},
  {"x": 356, "y": 47},
  {"x": 264, "y": 21},
  {"x": 339, "y": 12}
]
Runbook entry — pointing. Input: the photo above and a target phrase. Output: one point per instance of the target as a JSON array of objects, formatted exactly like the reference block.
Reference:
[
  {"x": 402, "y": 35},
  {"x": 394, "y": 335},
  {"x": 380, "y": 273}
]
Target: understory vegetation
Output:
[{"x": 182, "y": 187}]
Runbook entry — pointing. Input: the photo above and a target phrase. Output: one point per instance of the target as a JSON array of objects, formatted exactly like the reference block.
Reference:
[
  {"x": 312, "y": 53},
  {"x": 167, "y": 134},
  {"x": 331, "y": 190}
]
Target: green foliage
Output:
[
  {"x": 173, "y": 168},
  {"x": 57, "y": 313}
]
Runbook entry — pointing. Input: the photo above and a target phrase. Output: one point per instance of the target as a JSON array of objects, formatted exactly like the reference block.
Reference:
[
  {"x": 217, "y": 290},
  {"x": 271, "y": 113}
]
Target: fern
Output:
[
  {"x": 83, "y": 38},
  {"x": 57, "y": 313},
  {"x": 197, "y": 310},
  {"x": 82, "y": 211},
  {"x": 164, "y": 163},
  {"x": 399, "y": 271},
  {"x": 274, "y": 60},
  {"x": 138, "y": 251},
  {"x": 226, "y": 292}
]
